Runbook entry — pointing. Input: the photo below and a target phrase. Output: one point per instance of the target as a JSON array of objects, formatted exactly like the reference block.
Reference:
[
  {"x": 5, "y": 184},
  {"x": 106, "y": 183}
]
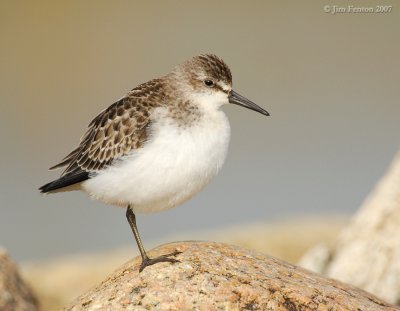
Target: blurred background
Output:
[{"x": 330, "y": 82}]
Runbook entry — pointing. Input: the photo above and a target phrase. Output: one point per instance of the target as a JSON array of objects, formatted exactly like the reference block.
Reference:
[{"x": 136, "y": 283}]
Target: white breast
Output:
[{"x": 175, "y": 164}]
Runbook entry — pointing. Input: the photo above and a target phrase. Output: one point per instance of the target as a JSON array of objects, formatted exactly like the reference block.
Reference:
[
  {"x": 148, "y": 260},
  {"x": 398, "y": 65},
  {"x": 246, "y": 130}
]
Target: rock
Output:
[
  {"x": 316, "y": 258},
  {"x": 57, "y": 281},
  {"x": 367, "y": 252},
  {"x": 14, "y": 293},
  {"x": 216, "y": 276}
]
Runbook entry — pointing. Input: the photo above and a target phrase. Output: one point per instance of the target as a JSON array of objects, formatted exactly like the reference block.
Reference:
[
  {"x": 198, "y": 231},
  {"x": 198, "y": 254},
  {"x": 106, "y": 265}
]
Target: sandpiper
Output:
[{"x": 157, "y": 146}]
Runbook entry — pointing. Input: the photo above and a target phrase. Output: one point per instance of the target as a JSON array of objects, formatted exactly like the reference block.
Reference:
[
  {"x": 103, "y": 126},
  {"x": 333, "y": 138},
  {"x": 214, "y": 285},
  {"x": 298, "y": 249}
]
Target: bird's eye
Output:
[{"x": 209, "y": 83}]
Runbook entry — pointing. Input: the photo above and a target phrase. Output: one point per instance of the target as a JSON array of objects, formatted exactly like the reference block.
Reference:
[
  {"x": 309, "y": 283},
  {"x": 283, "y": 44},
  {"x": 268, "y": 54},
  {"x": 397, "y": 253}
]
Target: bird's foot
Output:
[{"x": 163, "y": 258}]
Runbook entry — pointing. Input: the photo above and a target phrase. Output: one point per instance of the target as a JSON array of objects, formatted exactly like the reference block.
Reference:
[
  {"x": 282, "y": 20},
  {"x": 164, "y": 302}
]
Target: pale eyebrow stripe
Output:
[
  {"x": 216, "y": 86},
  {"x": 219, "y": 87}
]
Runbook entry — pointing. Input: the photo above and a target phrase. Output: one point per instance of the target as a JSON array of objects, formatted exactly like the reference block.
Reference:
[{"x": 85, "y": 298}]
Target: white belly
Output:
[{"x": 175, "y": 164}]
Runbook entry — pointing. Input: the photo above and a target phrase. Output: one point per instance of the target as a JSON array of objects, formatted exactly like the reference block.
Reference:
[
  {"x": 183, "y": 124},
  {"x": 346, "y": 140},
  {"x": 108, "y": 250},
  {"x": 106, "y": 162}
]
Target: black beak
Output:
[{"x": 237, "y": 99}]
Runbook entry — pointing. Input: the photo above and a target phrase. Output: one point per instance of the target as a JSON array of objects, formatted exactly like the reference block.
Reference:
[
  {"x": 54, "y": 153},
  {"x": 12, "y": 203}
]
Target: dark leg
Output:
[{"x": 146, "y": 261}]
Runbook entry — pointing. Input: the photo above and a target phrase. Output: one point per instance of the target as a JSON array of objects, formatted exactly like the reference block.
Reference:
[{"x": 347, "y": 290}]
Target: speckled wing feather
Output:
[{"x": 115, "y": 131}]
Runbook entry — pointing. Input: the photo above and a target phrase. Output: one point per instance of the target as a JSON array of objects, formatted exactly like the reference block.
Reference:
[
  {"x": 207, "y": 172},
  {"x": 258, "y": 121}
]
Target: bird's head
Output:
[{"x": 207, "y": 79}]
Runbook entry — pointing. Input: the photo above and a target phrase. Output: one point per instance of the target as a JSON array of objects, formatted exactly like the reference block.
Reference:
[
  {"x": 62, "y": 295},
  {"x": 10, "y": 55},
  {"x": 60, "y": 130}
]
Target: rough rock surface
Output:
[
  {"x": 215, "y": 276},
  {"x": 57, "y": 281},
  {"x": 367, "y": 252},
  {"x": 14, "y": 293}
]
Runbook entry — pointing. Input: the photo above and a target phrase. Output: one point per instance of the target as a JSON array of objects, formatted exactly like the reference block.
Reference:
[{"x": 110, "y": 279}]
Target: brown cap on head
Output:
[
  {"x": 210, "y": 65},
  {"x": 215, "y": 67}
]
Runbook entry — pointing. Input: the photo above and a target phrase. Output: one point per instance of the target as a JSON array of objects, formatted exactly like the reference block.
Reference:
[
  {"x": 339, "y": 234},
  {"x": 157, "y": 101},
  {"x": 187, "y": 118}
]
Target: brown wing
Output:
[{"x": 112, "y": 134}]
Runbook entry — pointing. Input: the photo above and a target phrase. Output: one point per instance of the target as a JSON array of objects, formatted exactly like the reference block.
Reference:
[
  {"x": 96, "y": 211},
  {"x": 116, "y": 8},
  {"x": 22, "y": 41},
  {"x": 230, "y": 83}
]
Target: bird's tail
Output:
[{"x": 64, "y": 181}]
